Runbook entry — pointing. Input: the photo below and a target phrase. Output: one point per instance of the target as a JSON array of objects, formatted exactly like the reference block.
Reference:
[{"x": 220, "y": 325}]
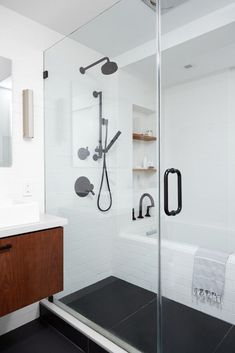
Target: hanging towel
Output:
[{"x": 209, "y": 275}]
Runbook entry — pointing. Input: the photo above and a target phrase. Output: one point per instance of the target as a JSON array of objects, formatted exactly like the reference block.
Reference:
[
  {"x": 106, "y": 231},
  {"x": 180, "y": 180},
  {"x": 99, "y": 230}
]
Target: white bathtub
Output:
[{"x": 135, "y": 260}]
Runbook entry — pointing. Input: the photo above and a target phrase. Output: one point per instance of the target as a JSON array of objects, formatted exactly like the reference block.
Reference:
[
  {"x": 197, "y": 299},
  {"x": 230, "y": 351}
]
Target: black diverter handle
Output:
[{"x": 179, "y": 184}]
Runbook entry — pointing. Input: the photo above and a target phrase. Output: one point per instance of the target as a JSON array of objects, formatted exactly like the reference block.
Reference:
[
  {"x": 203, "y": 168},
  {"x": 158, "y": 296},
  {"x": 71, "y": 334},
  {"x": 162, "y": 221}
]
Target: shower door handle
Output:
[{"x": 179, "y": 193}]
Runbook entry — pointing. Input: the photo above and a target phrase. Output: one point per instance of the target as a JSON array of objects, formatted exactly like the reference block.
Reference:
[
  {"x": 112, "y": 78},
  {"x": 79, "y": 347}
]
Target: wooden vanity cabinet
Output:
[{"x": 31, "y": 268}]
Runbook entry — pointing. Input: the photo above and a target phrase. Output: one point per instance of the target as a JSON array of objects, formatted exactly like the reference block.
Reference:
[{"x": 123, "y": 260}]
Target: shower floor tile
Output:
[
  {"x": 228, "y": 343},
  {"x": 140, "y": 330},
  {"x": 130, "y": 312},
  {"x": 191, "y": 331},
  {"x": 109, "y": 304},
  {"x": 184, "y": 330}
]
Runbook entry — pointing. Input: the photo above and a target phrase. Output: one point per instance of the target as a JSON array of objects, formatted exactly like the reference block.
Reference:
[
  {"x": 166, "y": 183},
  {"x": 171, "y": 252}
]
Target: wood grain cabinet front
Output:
[{"x": 31, "y": 268}]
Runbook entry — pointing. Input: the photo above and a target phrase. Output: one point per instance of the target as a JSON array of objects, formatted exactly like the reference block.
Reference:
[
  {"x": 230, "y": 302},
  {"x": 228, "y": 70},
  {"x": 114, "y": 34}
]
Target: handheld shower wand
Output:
[{"x": 101, "y": 151}]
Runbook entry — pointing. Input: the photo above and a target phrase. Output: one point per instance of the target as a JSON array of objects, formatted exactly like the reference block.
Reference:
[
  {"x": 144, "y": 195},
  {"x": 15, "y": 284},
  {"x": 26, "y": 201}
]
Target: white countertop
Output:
[{"x": 46, "y": 222}]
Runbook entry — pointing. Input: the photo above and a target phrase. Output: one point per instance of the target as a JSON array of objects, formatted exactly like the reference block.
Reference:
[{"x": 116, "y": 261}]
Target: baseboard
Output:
[{"x": 18, "y": 318}]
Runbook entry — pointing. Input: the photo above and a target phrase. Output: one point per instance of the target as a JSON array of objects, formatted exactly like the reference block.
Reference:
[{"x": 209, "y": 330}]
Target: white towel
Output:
[{"x": 209, "y": 275}]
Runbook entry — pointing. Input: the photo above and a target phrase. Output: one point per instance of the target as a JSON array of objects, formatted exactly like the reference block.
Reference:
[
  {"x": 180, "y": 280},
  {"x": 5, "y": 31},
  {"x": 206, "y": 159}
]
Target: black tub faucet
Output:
[{"x": 148, "y": 207}]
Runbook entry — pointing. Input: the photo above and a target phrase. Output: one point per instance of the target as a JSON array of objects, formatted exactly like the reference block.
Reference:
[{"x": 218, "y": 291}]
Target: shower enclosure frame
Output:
[{"x": 158, "y": 152}]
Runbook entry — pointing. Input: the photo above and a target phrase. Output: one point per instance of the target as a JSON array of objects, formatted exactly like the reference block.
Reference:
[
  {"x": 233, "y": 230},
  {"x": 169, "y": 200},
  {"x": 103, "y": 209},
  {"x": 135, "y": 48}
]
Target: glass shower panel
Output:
[
  {"x": 197, "y": 164},
  {"x": 102, "y": 171}
]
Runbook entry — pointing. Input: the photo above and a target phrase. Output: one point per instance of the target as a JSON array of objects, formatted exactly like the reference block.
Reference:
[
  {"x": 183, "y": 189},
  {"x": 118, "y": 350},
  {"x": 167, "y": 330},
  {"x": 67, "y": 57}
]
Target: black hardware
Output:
[
  {"x": 45, "y": 74},
  {"x": 107, "y": 69},
  {"x": 141, "y": 205},
  {"x": 5, "y": 247},
  {"x": 51, "y": 299},
  {"x": 148, "y": 211},
  {"x": 179, "y": 183},
  {"x": 83, "y": 153},
  {"x": 112, "y": 141},
  {"x": 133, "y": 215},
  {"x": 99, "y": 148},
  {"x": 101, "y": 151},
  {"x": 83, "y": 187}
]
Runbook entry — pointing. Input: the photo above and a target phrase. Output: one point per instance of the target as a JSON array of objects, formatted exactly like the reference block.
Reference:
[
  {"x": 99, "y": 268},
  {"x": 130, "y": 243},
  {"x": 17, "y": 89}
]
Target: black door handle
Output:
[{"x": 179, "y": 184}]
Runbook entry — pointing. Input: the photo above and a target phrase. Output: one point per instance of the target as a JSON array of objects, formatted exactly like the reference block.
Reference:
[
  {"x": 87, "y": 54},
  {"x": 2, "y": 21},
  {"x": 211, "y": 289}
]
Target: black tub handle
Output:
[{"x": 179, "y": 184}]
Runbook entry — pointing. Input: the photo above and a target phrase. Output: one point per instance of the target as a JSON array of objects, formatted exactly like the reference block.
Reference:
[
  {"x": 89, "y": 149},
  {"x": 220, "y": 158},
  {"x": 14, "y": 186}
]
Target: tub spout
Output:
[{"x": 148, "y": 208}]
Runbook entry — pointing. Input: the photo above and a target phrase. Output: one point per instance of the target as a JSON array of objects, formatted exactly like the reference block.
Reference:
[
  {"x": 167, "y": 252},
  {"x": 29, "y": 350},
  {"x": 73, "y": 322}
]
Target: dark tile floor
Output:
[
  {"x": 130, "y": 312},
  {"x": 36, "y": 337},
  {"x": 110, "y": 302}
]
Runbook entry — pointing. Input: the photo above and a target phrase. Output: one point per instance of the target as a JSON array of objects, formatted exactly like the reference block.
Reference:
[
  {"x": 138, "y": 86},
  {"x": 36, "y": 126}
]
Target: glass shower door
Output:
[
  {"x": 197, "y": 182},
  {"x": 106, "y": 183}
]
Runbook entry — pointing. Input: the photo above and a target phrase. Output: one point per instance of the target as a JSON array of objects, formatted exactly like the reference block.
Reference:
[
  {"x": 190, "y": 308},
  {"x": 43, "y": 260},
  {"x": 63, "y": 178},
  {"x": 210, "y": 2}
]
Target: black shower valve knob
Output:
[
  {"x": 83, "y": 187},
  {"x": 83, "y": 153}
]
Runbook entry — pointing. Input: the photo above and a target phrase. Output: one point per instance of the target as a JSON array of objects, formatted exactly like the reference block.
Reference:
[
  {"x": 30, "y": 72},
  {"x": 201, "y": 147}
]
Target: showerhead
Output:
[{"x": 107, "y": 69}]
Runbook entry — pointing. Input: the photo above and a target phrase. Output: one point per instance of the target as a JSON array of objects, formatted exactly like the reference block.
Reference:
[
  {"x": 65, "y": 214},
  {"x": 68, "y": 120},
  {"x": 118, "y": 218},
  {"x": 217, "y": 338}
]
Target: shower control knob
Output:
[
  {"x": 83, "y": 153},
  {"x": 95, "y": 157},
  {"x": 83, "y": 187}
]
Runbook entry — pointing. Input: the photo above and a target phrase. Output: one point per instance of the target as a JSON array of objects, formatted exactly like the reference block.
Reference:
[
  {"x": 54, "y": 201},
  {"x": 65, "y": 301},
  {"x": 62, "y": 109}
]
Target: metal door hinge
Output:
[{"x": 45, "y": 74}]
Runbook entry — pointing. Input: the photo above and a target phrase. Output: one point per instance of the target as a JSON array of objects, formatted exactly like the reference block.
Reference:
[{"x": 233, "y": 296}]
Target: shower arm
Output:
[{"x": 83, "y": 69}]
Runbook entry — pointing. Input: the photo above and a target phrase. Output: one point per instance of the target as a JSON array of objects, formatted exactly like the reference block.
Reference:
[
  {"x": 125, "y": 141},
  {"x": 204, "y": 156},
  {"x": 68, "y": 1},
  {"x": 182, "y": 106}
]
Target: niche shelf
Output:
[
  {"x": 142, "y": 137},
  {"x": 144, "y": 179}
]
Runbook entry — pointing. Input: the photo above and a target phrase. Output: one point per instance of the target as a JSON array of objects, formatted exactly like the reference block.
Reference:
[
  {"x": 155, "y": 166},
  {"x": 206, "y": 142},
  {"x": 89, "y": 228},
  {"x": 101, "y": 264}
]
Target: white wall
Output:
[
  {"x": 127, "y": 260},
  {"x": 198, "y": 126},
  {"x": 23, "y": 41}
]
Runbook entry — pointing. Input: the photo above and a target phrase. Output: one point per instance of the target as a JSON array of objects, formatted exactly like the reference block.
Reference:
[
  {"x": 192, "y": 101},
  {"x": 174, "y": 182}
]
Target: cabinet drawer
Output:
[{"x": 31, "y": 268}]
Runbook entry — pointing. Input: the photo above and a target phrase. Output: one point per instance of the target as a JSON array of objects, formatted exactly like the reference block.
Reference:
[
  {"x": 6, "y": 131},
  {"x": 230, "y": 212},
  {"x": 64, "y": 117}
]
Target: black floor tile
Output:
[
  {"x": 36, "y": 337},
  {"x": 140, "y": 330},
  {"x": 87, "y": 290},
  {"x": 190, "y": 331},
  {"x": 109, "y": 304},
  {"x": 228, "y": 344},
  {"x": 184, "y": 330}
]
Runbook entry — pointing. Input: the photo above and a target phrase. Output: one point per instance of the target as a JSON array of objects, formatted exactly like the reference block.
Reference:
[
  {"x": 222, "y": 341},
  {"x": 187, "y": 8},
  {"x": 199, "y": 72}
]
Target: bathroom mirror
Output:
[{"x": 5, "y": 112}]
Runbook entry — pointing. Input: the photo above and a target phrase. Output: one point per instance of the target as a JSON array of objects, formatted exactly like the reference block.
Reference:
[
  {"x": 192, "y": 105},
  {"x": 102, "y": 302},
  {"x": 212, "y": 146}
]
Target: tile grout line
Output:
[
  {"x": 223, "y": 339},
  {"x": 132, "y": 314}
]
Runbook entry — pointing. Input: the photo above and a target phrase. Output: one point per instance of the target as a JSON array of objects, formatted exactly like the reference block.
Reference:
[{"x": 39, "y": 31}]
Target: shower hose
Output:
[{"x": 105, "y": 176}]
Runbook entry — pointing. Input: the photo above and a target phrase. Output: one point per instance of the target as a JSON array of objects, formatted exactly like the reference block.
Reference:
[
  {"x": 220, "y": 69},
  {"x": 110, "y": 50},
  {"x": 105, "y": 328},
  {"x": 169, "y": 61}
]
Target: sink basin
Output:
[{"x": 17, "y": 213}]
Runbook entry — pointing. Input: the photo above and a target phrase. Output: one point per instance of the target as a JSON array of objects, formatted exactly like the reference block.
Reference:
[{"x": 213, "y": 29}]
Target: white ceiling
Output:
[
  {"x": 63, "y": 16},
  {"x": 129, "y": 23},
  {"x": 126, "y": 25},
  {"x": 190, "y": 11},
  {"x": 212, "y": 52}
]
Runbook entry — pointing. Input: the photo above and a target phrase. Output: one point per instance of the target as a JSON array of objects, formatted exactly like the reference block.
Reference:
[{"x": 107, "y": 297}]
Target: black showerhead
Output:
[{"x": 107, "y": 69}]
